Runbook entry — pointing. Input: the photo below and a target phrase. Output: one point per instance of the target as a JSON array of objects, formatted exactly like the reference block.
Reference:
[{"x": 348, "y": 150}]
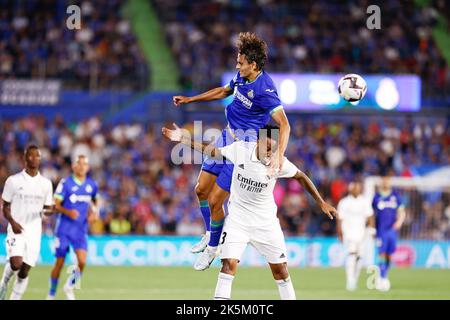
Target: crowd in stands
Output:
[
  {"x": 303, "y": 36},
  {"x": 143, "y": 192},
  {"x": 311, "y": 36},
  {"x": 35, "y": 42}
]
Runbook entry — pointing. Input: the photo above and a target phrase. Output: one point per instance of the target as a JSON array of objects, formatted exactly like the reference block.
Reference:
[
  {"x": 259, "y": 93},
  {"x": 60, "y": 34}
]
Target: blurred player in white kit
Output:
[
  {"x": 26, "y": 197},
  {"x": 355, "y": 215}
]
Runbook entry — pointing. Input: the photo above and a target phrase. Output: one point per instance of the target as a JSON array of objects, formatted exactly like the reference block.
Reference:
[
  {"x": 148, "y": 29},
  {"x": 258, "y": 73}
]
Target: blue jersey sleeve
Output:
[
  {"x": 233, "y": 81},
  {"x": 269, "y": 99},
  {"x": 61, "y": 191}
]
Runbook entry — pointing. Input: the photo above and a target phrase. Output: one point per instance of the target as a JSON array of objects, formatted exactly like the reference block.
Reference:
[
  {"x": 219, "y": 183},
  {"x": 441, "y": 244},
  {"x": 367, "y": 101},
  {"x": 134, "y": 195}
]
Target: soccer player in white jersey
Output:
[
  {"x": 252, "y": 217},
  {"x": 354, "y": 217},
  {"x": 26, "y": 197}
]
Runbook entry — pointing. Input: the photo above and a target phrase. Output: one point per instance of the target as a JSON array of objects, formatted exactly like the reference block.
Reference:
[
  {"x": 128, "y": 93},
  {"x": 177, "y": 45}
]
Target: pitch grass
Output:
[{"x": 183, "y": 283}]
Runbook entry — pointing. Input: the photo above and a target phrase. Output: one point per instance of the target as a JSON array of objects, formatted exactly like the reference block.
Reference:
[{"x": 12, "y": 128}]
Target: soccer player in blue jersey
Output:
[
  {"x": 389, "y": 217},
  {"x": 255, "y": 102},
  {"x": 76, "y": 199}
]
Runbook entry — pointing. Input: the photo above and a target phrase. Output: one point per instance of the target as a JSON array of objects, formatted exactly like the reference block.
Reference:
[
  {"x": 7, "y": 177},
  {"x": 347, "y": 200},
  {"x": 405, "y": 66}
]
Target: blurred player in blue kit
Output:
[
  {"x": 76, "y": 200},
  {"x": 389, "y": 217}
]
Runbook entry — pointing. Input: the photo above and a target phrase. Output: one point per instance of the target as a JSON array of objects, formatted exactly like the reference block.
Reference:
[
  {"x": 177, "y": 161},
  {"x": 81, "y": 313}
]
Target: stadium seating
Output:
[
  {"x": 305, "y": 36},
  {"x": 139, "y": 183},
  {"x": 35, "y": 43}
]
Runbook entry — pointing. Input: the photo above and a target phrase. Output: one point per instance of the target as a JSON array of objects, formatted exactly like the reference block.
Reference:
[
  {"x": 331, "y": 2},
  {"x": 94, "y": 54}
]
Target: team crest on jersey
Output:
[
  {"x": 74, "y": 188},
  {"x": 250, "y": 94},
  {"x": 88, "y": 188}
]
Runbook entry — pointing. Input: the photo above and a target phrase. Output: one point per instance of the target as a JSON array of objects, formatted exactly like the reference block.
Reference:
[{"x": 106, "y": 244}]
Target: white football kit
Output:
[
  {"x": 353, "y": 213},
  {"x": 27, "y": 196},
  {"x": 252, "y": 210}
]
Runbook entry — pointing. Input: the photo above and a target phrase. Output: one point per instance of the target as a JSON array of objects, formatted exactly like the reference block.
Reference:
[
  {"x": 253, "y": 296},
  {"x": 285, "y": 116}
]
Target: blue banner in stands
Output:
[{"x": 302, "y": 252}]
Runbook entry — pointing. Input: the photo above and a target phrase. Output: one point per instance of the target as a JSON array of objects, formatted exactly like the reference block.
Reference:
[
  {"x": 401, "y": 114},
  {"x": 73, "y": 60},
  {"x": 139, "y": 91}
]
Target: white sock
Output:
[
  {"x": 7, "y": 274},
  {"x": 20, "y": 285},
  {"x": 286, "y": 289},
  {"x": 358, "y": 268},
  {"x": 350, "y": 267},
  {"x": 223, "y": 287}
]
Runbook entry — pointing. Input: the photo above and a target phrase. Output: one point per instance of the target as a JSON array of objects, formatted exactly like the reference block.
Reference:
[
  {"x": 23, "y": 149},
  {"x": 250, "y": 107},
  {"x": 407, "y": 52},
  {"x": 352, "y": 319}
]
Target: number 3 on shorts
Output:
[
  {"x": 224, "y": 234},
  {"x": 11, "y": 242}
]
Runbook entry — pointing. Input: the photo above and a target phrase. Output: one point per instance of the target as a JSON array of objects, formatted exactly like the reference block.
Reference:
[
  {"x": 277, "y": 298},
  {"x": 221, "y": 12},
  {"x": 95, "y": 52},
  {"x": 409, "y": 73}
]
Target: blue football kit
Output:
[
  {"x": 77, "y": 195},
  {"x": 253, "y": 104}
]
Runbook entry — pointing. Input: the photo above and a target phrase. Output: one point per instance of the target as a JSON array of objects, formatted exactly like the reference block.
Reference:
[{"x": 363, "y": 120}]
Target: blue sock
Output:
[
  {"x": 204, "y": 208},
  {"x": 216, "y": 231},
  {"x": 384, "y": 267},
  {"x": 53, "y": 286}
]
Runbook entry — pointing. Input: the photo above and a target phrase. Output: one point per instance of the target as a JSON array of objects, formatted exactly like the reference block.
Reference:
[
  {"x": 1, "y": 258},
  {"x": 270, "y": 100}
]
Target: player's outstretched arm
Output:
[
  {"x": 71, "y": 213},
  {"x": 213, "y": 94},
  {"x": 16, "y": 227},
  {"x": 285, "y": 130},
  {"x": 177, "y": 135},
  {"x": 303, "y": 179}
]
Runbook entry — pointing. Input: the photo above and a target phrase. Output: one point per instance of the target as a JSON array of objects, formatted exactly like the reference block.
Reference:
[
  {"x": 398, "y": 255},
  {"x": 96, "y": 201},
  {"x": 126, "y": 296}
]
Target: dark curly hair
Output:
[{"x": 254, "y": 48}]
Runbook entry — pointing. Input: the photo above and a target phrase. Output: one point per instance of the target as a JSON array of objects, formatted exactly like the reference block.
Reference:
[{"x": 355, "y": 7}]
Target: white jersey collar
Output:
[{"x": 27, "y": 176}]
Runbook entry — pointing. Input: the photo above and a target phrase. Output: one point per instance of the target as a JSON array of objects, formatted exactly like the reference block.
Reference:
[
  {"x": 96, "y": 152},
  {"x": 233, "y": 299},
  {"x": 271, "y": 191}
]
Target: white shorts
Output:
[
  {"x": 354, "y": 246},
  {"x": 24, "y": 245},
  {"x": 267, "y": 240}
]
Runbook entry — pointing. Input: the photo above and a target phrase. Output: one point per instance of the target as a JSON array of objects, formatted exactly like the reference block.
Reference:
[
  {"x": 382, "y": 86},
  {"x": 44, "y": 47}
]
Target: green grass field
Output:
[{"x": 176, "y": 283}]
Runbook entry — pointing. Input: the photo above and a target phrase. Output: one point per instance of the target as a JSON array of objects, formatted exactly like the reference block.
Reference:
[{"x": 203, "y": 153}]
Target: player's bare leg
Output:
[
  {"x": 54, "y": 277},
  {"x": 21, "y": 283},
  {"x": 76, "y": 275},
  {"x": 281, "y": 275},
  {"x": 225, "y": 279},
  {"x": 205, "y": 183},
  {"x": 216, "y": 199},
  {"x": 11, "y": 268}
]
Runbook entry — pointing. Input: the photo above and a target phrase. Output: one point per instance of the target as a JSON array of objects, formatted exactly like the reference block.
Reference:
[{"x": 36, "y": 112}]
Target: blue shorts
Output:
[
  {"x": 387, "y": 242},
  {"x": 223, "y": 169},
  {"x": 78, "y": 241}
]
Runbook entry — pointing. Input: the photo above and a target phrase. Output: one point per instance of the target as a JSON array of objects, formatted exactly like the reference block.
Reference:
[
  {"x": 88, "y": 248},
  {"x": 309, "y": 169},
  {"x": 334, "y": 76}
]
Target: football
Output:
[{"x": 352, "y": 87}]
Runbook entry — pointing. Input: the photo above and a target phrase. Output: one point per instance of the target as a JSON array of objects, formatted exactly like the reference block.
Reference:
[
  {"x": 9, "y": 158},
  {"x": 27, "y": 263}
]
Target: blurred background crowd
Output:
[
  {"x": 306, "y": 36},
  {"x": 35, "y": 43},
  {"x": 143, "y": 192},
  {"x": 302, "y": 36}
]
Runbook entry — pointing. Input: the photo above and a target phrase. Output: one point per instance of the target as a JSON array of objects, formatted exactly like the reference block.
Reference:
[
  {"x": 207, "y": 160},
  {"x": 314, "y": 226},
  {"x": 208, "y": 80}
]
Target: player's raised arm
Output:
[
  {"x": 177, "y": 135},
  {"x": 279, "y": 116},
  {"x": 213, "y": 94},
  {"x": 303, "y": 179}
]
